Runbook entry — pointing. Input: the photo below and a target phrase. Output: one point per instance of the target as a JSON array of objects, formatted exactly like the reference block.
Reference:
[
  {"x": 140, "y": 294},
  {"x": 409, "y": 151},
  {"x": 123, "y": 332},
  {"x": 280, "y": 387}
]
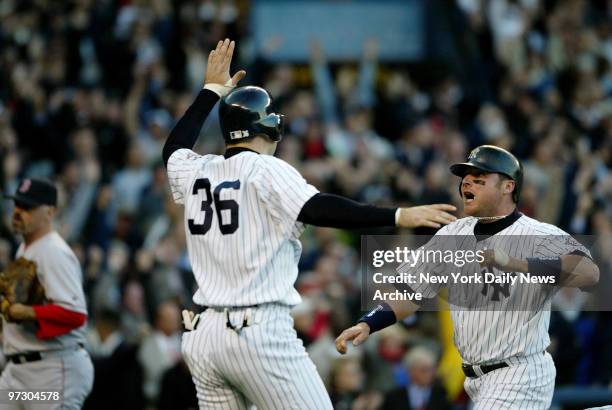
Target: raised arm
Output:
[
  {"x": 366, "y": 95},
  {"x": 217, "y": 83},
  {"x": 324, "y": 85}
]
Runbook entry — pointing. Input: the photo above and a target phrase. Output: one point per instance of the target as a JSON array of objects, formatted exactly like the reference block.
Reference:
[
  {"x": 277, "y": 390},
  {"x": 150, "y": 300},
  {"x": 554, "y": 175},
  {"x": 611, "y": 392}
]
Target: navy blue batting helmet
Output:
[
  {"x": 492, "y": 159},
  {"x": 245, "y": 113}
]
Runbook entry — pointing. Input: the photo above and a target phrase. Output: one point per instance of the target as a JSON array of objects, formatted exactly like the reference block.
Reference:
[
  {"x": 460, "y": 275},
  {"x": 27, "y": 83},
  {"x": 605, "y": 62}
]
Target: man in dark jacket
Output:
[{"x": 424, "y": 391}]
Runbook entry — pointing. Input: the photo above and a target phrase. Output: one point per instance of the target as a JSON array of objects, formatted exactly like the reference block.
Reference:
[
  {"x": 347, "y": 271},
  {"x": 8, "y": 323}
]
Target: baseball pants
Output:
[
  {"x": 263, "y": 364},
  {"x": 70, "y": 372},
  {"x": 528, "y": 383}
]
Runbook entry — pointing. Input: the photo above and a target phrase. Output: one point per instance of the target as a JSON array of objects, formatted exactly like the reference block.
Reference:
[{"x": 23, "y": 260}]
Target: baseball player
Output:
[
  {"x": 503, "y": 350},
  {"x": 244, "y": 213},
  {"x": 44, "y": 343}
]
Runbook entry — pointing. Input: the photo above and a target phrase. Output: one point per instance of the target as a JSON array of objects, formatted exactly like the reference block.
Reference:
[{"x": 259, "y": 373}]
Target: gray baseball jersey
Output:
[
  {"x": 65, "y": 366},
  {"x": 59, "y": 272}
]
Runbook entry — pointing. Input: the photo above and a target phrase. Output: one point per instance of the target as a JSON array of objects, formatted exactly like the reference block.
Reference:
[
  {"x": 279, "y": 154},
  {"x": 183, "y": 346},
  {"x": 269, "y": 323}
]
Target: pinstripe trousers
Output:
[
  {"x": 263, "y": 364},
  {"x": 528, "y": 383}
]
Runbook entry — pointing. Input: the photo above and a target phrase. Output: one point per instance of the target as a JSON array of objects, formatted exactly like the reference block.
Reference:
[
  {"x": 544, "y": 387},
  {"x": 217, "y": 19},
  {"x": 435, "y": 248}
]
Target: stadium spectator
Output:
[{"x": 423, "y": 391}]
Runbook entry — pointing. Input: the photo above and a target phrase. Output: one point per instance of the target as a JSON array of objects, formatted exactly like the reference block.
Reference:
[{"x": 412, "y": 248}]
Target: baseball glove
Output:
[{"x": 20, "y": 284}]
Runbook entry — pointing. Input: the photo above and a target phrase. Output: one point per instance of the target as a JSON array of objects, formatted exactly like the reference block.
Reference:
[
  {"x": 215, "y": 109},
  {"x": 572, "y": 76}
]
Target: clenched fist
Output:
[{"x": 495, "y": 258}]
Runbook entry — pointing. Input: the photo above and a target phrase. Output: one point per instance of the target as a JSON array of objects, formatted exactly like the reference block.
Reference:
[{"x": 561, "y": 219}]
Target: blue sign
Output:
[{"x": 284, "y": 30}]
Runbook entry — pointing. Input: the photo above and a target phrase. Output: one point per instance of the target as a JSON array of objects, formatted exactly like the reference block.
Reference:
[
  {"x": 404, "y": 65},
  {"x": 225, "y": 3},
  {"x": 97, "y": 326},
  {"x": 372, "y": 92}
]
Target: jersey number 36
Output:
[{"x": 220, "y": 205}]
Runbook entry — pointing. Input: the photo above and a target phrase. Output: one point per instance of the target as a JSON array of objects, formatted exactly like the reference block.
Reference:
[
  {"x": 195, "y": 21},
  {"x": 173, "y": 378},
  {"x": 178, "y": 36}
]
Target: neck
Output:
[
  {"x": 257, "y": 144},
  {"x": 498, "y": 214},
  {"x": 34, "y": 236},
  {"x": 245, "y": 145},
  {"x": 484, "y": 229}
]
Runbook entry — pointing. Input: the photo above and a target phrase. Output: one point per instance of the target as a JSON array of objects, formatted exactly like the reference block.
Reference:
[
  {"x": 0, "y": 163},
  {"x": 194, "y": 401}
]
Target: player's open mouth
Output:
[{"x": 468, "y": 197}]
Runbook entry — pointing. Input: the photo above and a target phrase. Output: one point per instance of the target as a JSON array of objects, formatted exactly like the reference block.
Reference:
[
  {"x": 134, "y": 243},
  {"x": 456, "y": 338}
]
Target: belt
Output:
[
  {"x": 24, "y": 357},
  {"x": 190, "y": 318},
  {"x": 224, "y": 308},
  {"x": 21, "y": 358},
  {"x": 474, "y": 370},
  {"x": 246, "y": 321}
]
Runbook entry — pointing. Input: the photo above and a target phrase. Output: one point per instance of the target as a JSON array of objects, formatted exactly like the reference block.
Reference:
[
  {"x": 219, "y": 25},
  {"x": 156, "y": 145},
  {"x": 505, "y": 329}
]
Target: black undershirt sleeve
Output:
[
  {"x": 186, "y": 131},
  {"x": 335, "y": 211}
]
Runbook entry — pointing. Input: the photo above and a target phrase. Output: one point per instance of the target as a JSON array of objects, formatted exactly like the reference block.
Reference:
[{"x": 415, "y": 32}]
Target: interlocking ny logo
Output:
[
  {"x": 25, "y": 186},
  {"x": 498, "y": 289},
  {"x": 474, "y": 152}
]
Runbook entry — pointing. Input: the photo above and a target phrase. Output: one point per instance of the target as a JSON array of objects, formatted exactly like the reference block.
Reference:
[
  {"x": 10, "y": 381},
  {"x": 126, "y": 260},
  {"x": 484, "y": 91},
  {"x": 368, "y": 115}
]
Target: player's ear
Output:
[
  {"x": 509, "y": 186},
  {"x": 50, "y": 212}
]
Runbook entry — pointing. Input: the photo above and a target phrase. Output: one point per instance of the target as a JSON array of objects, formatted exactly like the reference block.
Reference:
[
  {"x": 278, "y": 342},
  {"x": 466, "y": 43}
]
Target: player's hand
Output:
[
  {"x": 18, "y": 312},
  {"x": 432, "y": 216},
  {"x": 495, "y": 258},
  {"x": 219, "y": 61},
  {"x": 358, "y": 334}
]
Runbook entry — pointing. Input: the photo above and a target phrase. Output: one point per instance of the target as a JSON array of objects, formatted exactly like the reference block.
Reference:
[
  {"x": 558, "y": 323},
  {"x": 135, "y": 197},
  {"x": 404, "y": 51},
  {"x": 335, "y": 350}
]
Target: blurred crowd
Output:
[{"x": 89, "y": 90}]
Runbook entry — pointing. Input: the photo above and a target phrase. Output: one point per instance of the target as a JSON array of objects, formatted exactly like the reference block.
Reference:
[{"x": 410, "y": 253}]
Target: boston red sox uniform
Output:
[{"x": 55, "y": 364}]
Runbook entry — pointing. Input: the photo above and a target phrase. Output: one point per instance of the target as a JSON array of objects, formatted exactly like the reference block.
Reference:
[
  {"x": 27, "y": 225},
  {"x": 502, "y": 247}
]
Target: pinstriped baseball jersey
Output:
[
  {"x": 488, "y": 336},
  {"x": 240, "y": 222}
]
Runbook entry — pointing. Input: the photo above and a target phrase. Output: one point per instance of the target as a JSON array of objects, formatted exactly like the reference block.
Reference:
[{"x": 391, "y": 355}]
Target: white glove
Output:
[{"x": 190, "y": 320}]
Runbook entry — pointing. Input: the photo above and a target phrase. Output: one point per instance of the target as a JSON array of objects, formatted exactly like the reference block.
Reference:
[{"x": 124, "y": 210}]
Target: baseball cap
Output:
[{"x": 34, "y": 192}]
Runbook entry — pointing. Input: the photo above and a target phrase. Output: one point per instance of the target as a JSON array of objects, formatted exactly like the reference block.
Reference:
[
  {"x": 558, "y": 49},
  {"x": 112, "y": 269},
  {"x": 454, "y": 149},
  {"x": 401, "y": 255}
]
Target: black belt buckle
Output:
[{"x": 25, "y": 357}]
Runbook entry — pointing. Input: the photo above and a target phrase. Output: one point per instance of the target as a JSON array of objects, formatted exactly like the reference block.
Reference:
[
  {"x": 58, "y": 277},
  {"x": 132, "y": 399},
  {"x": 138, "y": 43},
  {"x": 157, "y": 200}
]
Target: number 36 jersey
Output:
[{"x": 241, "y": 225}]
